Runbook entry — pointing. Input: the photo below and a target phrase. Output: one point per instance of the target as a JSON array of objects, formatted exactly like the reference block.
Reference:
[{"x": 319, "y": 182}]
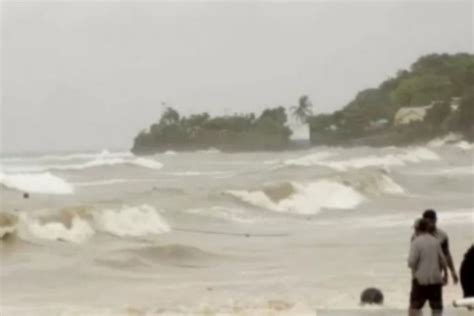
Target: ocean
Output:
[{"x": 213, "y": 233}]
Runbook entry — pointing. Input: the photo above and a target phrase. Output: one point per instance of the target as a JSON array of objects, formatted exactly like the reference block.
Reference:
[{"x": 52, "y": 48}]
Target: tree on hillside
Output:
[
  {"x": 466, "y": 116},
  {"x": 304, "y": 109},
  {"x": 169, "y": 116},
  {"x": 436, "y": 115}
]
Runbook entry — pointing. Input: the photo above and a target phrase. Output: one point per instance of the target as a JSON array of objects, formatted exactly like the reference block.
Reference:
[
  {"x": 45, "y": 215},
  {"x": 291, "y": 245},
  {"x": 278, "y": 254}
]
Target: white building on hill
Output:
[{"x": 409, "y": 115}]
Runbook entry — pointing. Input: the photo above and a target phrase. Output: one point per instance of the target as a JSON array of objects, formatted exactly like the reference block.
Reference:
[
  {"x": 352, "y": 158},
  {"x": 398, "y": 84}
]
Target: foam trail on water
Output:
[
  {"x": 75, "y": 156},
  {"x": 101, "y": 182},
  {"x": 308, "y": 160},
  {"x": 96, "y": 163},
  {"x": 41, "y": 183}
]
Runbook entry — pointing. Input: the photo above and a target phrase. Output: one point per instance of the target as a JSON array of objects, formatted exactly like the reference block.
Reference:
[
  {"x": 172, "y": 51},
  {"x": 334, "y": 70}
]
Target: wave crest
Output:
[
  {"x": 131, "y": 221},
  {"x": 298, "y": 198},
  {"x": 32, "y": 228},
  {"x": 41, "y": 183}
]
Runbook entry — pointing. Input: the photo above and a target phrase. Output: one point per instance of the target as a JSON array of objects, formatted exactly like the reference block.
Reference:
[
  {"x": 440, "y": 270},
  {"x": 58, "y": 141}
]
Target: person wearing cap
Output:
[{"x": 432, "y": 218}]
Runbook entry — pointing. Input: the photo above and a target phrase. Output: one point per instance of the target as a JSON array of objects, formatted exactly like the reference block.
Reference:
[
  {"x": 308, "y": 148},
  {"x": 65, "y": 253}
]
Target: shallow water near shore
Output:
[{"x": 210, "y": 233}]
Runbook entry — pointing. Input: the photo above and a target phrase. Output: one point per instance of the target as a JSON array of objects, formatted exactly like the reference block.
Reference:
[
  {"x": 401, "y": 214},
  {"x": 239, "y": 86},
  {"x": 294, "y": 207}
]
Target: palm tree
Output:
[{"x": 304, "y": 109}]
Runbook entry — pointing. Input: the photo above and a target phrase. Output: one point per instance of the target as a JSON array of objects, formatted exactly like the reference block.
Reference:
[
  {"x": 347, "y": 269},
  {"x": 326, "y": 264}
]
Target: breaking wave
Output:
[
  {"x": 41, "y": 183},
  {"x": 32, "y": 228},
  {"x": 131, "y": 221},
  {"x": 77, "y": 225},
  {"x": 371, "y": 182},
  {"x": 298, "y": 198},
  {"x": 345, "y": 191}
]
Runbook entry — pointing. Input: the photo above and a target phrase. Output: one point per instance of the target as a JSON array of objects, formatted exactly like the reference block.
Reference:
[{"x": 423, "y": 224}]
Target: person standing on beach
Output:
[
  {"x": 432, "y": 218},
  {"x": 427, "y": 261}
]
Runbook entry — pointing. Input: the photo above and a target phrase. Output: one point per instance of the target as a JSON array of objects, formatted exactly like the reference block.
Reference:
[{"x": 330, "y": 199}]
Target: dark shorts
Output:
[{"x": 422, "y": 293}]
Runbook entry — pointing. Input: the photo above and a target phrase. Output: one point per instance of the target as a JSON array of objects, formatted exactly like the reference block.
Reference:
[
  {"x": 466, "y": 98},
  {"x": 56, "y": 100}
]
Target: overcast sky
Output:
[{"x": 90, "y": 75}]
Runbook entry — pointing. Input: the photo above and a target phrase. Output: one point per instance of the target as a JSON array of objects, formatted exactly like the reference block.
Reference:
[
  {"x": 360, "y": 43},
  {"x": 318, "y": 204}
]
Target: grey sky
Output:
[{"x": 90, "y": 75}]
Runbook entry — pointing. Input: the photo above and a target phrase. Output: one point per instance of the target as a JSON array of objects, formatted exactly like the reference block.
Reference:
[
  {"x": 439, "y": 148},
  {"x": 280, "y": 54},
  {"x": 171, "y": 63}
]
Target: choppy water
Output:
[{"x": 209, "y": 232}]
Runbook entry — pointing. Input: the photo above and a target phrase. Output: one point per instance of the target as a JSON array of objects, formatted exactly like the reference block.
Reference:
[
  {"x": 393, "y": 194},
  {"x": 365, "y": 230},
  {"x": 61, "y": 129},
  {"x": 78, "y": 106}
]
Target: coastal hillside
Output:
[
  {"x": 238, "y": 132},
  {"x": 434, "y": 97}
]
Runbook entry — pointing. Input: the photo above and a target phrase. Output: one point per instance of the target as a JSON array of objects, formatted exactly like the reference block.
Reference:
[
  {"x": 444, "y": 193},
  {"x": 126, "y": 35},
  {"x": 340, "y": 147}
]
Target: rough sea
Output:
[{"x": 212, "y": 233}]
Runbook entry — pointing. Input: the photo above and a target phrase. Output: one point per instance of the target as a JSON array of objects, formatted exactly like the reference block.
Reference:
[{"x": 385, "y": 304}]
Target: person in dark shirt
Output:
[{"x": 467, "y": 273}]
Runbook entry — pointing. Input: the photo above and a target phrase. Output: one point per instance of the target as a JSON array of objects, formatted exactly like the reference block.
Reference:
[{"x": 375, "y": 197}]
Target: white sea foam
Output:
[
  {"x": 42, "y": 183},
  {"x": 211, "y": 150},
  {"x": 453, "y": 171},
  {"x": 447, "y": 139},
  {"x": 95, "y": 163},
  {"x": 307, "y": 198},
  {"x": 131, "y": 221},
  {"x": 414, "y": 155},
  {"x": 309, "y": 160},
  {"x": 31, "y": 228},
  {"x": 101, "y": 182},
  {"x": 465, "y": 145},
  {"x": 140, "y": 162},
  {"x": 170, "y": 153},
  {"x": 466, "y": 170},
  {"x": 74, "y": 156}
]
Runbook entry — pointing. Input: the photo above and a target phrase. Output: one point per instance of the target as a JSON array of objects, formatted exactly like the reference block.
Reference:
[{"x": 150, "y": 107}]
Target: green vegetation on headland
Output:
[
  {"x": 433, "y": 98},
  {"x": 239, "y": 132}
]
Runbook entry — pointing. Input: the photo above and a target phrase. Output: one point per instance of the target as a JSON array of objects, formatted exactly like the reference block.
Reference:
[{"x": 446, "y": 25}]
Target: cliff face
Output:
[
  {"x": 227, "y": 133},
  {"x": 441, "y": 84}
]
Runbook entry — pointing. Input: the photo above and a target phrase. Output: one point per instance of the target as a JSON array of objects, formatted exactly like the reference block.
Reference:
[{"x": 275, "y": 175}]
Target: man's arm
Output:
[
  {"x": 449, "y": 259},
  {"x": 413, "y": 257},
  {"x": 443, "y": 265}
]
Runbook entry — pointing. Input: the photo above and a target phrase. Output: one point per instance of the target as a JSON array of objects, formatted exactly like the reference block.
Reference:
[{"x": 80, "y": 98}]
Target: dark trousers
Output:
[{"x": 433, "y": 293}]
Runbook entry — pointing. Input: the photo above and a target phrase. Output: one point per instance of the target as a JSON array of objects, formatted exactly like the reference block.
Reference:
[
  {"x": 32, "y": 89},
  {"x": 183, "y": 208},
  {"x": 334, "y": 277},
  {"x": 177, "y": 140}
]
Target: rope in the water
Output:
[{"x": 211, "y": 232}]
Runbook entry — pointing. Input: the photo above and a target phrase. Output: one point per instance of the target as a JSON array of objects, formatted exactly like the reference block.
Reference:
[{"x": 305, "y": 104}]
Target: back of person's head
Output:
[
  {"x": 423, "y": 226},
  {"x": 430, "y": 215},
  {"x": 416, "y": 225}
]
